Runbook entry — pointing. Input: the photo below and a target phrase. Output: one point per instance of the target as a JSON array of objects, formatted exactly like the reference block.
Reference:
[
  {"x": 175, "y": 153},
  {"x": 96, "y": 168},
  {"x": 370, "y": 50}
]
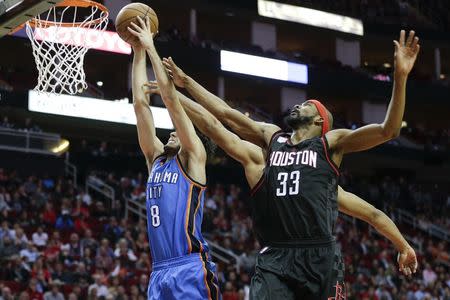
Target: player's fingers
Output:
[
  {"x": 410, "y": 38},
  {"x": 147, "y": 22},
  {"x": 133, "y": 32},
  {"x": 135, "y": 27},
  {"x": 396, "y": 45},
  {"x": 417, "y": 49},
  {"x": 171, "y": 61},
  {"x": 167, "y": 64},
  {"x": 402, "y": 38},
  {"x": 415, "y": 42},
  {"x": 141, "y": 21}
]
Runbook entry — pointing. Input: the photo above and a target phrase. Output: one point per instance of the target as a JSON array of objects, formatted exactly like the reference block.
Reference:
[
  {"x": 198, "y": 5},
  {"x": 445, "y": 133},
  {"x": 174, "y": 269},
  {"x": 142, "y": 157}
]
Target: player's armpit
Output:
[
  {"x": 363, "y": 138},
  {"x": 149, "y": 143}
]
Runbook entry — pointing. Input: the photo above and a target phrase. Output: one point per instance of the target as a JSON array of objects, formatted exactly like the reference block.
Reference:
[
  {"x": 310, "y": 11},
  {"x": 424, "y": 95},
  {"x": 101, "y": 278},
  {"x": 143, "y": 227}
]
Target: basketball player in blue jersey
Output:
[{"x": 175, "y": 188}]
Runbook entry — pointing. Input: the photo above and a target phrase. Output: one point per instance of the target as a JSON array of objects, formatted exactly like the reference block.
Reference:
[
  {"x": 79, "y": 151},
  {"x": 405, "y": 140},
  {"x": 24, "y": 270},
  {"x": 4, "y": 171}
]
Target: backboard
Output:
[{"x": 14, "y": 13}]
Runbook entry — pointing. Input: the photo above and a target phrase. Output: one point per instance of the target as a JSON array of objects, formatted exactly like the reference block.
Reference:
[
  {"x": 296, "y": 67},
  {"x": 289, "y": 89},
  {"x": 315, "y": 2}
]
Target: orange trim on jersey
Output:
[
  {"x": 325, "y": 148},
  {"x": 205, "y": 274},
  {"x": 186, "y": 223},
  {"x": 185, "y": 175},
  {"x": 196, "y": 210}
]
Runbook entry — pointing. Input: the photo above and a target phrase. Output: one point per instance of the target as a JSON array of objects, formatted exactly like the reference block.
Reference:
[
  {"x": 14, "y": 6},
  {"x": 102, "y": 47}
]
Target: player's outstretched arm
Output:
[
  {"x": 150, "y": 145},
  {"x": 366, "y": 137},
  {"x": 258, "y": 133},
  {"x": 248, "y": 154},
  {"x": 190, "y": 142},
  {"x": 353, "y": 205}
]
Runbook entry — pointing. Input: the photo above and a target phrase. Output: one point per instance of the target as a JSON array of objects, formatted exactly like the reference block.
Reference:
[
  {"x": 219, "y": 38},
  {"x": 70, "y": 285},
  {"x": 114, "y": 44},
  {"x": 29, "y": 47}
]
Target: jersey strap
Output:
[{"x": 326, "y": 148}]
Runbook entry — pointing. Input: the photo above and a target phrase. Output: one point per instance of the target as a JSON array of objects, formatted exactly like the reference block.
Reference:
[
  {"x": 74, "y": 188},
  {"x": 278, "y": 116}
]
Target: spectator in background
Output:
[
  {"x": 49, "y": 215},
  {"x": 85, "y": 198},
  {"x": 88, "y": 241},
  {"x": 81, "y": 275},
  {"x": 40, "y": 238},
  {"x": 143, "y": 263},
  {"x": 9, "y": 247},
  {"x": 428, "y": 275},
  {"x": 104, "y": 257},
  {"x": 54, "y": 293},
  {"x": 30, "y": 252},
  {"x": 100, "y": 212},
  {"x": 4, "y": 230},
  {"x": 143, "y": 285},
  {"x": 142, "y": 243},
  {"x": 5, "y": 199},
  {"x": 35, "y": 290},
  {"x": 6, "y": 293},
  {"x": 112, "y": 230},
  {"x": 19, "y": 235},
  {"x": 230, "y": 292},
  {"x": 60, "y": 274},
  {"x": 125, "y": 254},
  {"x": 64, "y": 222},
  {"x": 101, "y": 290}
]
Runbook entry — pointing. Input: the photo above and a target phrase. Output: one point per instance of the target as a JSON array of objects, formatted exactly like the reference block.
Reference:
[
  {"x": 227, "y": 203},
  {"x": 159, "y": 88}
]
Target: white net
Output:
[{"x": 60, "y": 39}]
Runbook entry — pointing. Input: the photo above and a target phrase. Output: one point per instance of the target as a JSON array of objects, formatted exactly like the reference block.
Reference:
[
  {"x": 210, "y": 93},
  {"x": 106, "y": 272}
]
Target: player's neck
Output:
[
  {"x": 170, "y": 153},
  {"x": 303, "y": 133}
]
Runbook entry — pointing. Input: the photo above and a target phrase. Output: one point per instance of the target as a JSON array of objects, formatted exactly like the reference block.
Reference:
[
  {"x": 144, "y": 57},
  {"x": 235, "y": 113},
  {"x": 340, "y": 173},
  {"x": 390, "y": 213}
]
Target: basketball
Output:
[{"x": 129, "y": 14}]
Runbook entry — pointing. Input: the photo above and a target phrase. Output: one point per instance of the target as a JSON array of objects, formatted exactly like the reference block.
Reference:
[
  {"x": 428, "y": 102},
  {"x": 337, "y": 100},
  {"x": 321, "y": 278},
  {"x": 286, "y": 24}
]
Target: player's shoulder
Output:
[{"x": 332, "y": 137}]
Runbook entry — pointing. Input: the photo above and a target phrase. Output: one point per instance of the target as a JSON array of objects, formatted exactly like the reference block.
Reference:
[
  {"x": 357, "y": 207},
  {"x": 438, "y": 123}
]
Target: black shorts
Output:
[{"x": 314, "y": 273}]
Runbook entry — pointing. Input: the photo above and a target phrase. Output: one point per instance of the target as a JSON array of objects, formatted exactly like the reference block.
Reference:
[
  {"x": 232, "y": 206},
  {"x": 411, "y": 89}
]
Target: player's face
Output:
[
  {"x": 301, "y": 115},
  {"x": 306, "y": 109},
  {"x": 173, "y": 144}
]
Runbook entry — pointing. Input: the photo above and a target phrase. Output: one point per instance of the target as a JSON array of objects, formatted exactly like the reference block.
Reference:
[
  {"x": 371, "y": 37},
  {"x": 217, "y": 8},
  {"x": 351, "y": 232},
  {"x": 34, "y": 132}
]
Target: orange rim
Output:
[{"x": 78, "y": 3}]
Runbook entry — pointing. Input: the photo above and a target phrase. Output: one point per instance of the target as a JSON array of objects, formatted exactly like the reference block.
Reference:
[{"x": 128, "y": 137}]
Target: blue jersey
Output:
[{"x": 174, "y": 211}]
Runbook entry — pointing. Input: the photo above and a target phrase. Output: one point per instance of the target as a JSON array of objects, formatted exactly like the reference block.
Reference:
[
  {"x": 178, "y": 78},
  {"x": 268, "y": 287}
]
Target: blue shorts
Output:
[{"x": 190, "y": 277}]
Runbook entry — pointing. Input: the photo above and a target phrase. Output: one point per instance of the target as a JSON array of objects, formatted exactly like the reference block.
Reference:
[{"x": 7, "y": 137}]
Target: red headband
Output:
[{"x": 323, "y": 113}]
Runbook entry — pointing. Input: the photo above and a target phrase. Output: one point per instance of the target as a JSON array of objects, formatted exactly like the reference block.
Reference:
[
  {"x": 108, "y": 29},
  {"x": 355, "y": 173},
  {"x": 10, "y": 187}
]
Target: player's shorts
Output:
[
  {"x": 315, "y": 273},
  {"x": 187, "y": 277}
]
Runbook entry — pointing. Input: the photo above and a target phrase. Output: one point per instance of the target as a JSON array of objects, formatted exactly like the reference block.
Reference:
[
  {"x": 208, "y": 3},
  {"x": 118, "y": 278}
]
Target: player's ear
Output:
[{"x": 318, "y": 120}]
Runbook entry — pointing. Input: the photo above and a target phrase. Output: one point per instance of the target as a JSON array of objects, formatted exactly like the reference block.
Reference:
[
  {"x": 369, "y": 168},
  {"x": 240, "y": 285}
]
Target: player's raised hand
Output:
[
  {"x": 177, "y": 75},
  {"x": 407, "y": 261},
  {"x": 151, "y": 88},
  {"x": 405, "y": 53},
  {"x": 142, "y": 32}
]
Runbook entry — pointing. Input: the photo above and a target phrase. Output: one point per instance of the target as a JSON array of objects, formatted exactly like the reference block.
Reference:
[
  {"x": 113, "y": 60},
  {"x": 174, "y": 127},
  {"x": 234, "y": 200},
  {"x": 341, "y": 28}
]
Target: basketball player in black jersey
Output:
[
  {"x": 294, "y": 202},
  {"x": 252, "y": 159}
]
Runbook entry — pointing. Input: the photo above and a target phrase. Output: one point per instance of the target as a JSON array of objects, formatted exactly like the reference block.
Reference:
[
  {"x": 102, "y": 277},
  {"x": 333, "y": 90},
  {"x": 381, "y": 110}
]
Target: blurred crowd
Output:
[
  {"x": 434, "y": 14},
  {"x": 26, "y": 125},
  {"x": 58, "y": 242}
]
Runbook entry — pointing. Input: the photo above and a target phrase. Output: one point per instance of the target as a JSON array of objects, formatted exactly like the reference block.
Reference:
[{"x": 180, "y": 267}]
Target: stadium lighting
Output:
[
  {"x": 92, "y": 108},
  {"x": 310, "y": 16},
  {"x": 100, "y": 83},
  {"x": 263, "y": 67}
]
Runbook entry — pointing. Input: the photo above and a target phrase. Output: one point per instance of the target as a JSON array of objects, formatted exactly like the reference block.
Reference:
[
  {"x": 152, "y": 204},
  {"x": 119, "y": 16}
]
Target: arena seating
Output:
[{"x": 83, "y": 249}]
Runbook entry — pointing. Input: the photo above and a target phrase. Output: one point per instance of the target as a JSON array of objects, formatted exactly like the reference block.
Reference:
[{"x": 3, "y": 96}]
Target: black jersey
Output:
[{"x": 295, "y": 201}]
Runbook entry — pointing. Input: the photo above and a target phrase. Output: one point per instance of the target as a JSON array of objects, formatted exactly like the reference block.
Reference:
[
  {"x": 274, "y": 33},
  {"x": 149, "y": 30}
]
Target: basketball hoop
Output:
[{"x": 60, "y": 39}]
